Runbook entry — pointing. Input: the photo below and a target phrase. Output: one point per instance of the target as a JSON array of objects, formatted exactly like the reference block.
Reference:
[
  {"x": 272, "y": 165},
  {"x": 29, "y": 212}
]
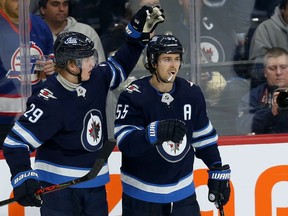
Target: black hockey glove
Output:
[
  {"x": 25, "y": 185},
  {"x": 218, "y": 185},
  {"x": 159, "y": 131},
  {"x": 143, "y": 23}
]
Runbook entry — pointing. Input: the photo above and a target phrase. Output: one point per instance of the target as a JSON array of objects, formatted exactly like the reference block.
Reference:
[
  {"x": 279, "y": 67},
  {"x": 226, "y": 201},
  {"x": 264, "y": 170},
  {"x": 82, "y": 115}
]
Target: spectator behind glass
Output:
[
  {"x": 55, "y": 14},
  {"x": 41, "y": 43},
  {"x": 270, "y": 33},
  {"x": 258, "y": 110}
]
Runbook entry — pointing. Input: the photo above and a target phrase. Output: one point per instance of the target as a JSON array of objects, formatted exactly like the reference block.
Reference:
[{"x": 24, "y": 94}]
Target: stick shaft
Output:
[{"x": 221, "y": 210}]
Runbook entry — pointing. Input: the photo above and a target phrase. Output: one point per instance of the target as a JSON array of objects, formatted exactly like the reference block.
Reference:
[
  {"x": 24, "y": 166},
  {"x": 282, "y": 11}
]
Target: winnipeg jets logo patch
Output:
[
  {"x": 91, "y": 136},
  {"x": 132, "y": 88},
  {"x": 46, "y": 94},
  {"x": 173, "y": 152}
]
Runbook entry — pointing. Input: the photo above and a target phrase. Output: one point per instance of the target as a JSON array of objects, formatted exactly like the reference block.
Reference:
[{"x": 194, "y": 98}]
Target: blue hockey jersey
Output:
[
  {"x": 41, "y": 43},
  {"x": 68, "y": 127},
  {"x": 163, "y": 173}
]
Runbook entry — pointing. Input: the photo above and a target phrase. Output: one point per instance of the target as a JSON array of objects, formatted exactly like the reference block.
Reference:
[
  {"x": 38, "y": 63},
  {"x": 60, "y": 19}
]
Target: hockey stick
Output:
[
  {"x": 97, "y": 166},
  {"x": 221, "y": 210}
]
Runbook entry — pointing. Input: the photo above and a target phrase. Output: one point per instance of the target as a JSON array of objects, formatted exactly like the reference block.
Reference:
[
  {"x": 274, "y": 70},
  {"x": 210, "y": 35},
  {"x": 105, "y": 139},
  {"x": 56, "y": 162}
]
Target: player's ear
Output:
[{"x": 71, "y": 64}]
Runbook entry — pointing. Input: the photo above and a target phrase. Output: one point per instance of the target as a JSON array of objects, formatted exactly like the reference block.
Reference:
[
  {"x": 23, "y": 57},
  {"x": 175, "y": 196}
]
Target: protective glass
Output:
[{"x": 91, "y": 61}]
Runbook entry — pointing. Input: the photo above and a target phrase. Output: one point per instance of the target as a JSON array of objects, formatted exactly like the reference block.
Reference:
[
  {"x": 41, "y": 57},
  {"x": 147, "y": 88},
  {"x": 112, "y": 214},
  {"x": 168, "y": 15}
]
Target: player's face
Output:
[
  {"x": 56, "y": 11},
  {"x": 168, "y": 66},
  {"x": 276, "y": 71},
  {"x": 11, "y": 8},
  {"x": 87, "y": 65}
]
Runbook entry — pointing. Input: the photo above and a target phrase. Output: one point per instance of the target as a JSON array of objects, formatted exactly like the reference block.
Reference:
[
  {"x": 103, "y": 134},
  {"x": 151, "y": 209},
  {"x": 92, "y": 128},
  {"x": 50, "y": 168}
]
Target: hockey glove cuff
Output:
[
  {"x": 218, "y": 185},
  {"x": 25, "y": 184},
  {"x": 142, "y": 23}
]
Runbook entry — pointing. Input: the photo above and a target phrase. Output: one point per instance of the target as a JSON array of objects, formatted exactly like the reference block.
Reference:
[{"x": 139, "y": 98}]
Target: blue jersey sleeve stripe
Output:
[
  {"x": 13, "y": 143},
  {"x": 118, "y": 69},
  {"x": 26, "y": 135},
  {"x": 113, "y": 80},
  {"x": 203, "y": 132},
  {"x": 120, "y": 132},
  {"x": 205, "y": 142},
  {"x": 119, "y": 128}
]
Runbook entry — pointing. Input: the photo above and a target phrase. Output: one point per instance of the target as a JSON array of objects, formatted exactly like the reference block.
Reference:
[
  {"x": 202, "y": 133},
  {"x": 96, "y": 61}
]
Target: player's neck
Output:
[
  {"x": 160, "y": 86},
  {"x": 67, "y": 81}
]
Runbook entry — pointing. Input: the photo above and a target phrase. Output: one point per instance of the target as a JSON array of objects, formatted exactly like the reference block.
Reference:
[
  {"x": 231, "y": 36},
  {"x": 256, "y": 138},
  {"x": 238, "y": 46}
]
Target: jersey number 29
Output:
[{"x": 33, "y": 114}]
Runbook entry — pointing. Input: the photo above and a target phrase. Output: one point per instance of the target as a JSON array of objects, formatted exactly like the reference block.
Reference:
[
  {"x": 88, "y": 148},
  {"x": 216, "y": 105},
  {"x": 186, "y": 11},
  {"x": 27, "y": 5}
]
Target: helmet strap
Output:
[{"x": 77, "y": 75}]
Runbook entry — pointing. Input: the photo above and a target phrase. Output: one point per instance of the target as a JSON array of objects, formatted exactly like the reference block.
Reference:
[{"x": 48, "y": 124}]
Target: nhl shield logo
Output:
[{"x": 91, "y": 136}]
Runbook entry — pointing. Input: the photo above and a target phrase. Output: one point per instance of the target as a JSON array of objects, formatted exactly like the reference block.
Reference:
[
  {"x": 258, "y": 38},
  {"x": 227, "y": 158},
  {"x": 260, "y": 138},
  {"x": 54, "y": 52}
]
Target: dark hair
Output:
[
  {"x": 42, "y": 3},
  {"x": 283, "y": 4}
]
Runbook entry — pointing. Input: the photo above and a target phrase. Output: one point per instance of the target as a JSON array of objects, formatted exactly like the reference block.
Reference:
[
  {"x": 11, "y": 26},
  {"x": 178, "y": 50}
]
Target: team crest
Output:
[
  {"x": 173, "y": 152},
  {"x": 91, "y": 136}
]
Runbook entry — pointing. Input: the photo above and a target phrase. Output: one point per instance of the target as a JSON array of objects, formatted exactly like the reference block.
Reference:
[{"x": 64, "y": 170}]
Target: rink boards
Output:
[{"x": 259, "y": 182}]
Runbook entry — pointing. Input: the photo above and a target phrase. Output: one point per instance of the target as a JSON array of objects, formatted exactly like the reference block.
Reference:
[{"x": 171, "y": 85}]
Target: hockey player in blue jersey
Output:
[
  {"x": 161, "y": 125},
  {"x": 66, "y": 122}
]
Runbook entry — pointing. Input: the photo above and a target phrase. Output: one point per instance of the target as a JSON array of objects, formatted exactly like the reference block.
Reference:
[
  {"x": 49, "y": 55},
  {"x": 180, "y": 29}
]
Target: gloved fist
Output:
[
  {"x": 143, "y": 23},
  {"x": 218, "y": 185},
  {"x": 25, "y": 185},
  {"x": 166, "y": 130},
  {"x": 153, "y": 19}
]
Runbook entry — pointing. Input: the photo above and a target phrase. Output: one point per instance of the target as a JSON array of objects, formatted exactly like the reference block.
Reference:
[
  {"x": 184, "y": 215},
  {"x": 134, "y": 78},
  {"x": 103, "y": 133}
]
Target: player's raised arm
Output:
[{"x": 137, "y": 33}]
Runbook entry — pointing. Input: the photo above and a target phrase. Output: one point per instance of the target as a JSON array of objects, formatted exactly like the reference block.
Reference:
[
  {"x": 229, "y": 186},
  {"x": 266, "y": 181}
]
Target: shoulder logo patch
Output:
[
  {"x": 46, "y": 94},
  {"x": 132, "y": 88}
]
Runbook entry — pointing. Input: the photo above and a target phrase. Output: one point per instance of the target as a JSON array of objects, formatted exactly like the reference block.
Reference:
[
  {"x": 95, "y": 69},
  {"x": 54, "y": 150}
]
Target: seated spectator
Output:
[
  {"x": 55, "y": 14},
  {"x": 259, "y": 111},
  {"x": 270, "y": 33}
]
